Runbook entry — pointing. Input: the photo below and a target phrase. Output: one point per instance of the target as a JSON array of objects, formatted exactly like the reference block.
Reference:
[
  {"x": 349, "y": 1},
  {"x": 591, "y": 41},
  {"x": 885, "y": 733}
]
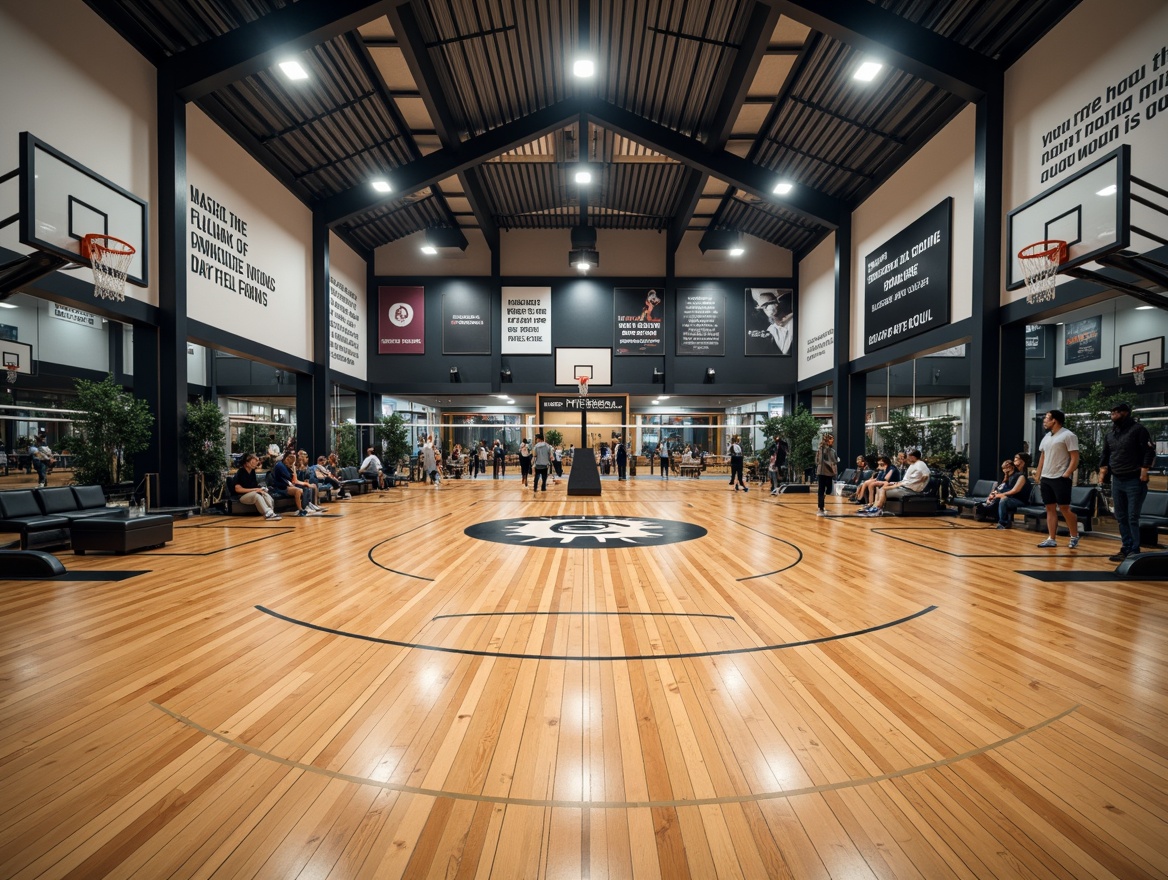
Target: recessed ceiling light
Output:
[
  {"x": 9, "y": 306},
  {"x": 783, "y": 187},
  {"x": 867, "y": 71},
  {"x": 429, "y": 250},
  {"x": 1107, "y": 190},
  {"x": 737, "y": 251},
  {"x": 382, "y": 186},
  {"x": 583, "y": 176},
  {"x": 583, "y": 68},
  {"x": 663, "y": 397},
  {"x": 293, "y": 70},
  {"x": 1138, "y": 308}
]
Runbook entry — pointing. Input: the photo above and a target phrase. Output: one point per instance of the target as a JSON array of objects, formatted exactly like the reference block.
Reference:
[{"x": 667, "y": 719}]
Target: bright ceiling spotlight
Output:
[
  {"x": 584, "y": 259},
  {"x": 381, "y": 186},
  {"x": 783, "y": 187},
  {"x": 583, "y": 68},
  {"x": 583, "y": 175},
  {"x": 867, "y": 71},
  {"x": 293, "y": 70},
  {"x": 429, "y": 250},
  {"x": 737, "y": 251}
]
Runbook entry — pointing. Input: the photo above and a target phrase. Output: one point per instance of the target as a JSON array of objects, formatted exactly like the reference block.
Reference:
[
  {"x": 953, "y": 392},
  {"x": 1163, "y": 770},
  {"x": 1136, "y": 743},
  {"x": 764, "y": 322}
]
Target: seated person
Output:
[
  {"x": 914, "y": 481},
  {"x": 300, "y": 472},
  {"x": 280, "y": 483},
  {"x": 1013, "y": 492},
  {"x": 886, "y": 474},
  {"x": 321, "y": 474},
  {"x": 687, "y": 457},
  {"x": 371, "y": 469},
  {"x": 860, "y": 467},
  {"x": 248, "y": 489}
]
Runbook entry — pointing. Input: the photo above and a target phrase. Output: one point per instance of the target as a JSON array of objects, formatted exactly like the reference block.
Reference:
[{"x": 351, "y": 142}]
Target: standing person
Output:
[
  {"x": 1058, "y": 459},
  {"x": 542, "y": 455},
  {"x": 773, "y": 471},
  {"x": 42, "y": 457},
  {"x": 524, "y": 459},
  {"x": 249, "y": 491},
  {"x": 734, "y": 450},
  {"x": 782, "y": 450},
  {"x": 558, "y": 463},
  {"x": 622, "y": 460},
  {"x": 481, "y": 458},
  {"x": 430, "y": 461},
  {"x": 663, "y": 455},
  {"x": 826, "y": 467},
  {"x": 1128, "y": 452},
  {"x": 500, "y": 461}
]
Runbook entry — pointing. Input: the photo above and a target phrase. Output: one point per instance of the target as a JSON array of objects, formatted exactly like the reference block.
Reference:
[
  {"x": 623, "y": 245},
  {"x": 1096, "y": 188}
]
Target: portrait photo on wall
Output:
[
  {"x": 639, "y": 321},
  {"x": 770, "y": 322}
]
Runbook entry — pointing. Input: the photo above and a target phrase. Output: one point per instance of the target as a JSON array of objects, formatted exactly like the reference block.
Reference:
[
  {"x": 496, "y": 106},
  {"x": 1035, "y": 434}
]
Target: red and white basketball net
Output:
[
  {"x": 583, "y": 385},
  {"x": 1138, "y": 373},
  {"x": 111, "y": 261},
  {"x": 11, "y": 368},
  {"x": 1039, "y": 263}
]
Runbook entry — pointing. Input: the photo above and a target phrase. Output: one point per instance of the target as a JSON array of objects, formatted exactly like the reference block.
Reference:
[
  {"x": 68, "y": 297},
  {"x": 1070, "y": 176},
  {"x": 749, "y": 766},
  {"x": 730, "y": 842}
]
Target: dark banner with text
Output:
[
  {"x": 907, "y": 281},
  {"x": 1082, "y": 340},
  {"x": 466, "y": 322},
  {"x": 401, "y": 320},
  {"x": 639, "y": 321}
]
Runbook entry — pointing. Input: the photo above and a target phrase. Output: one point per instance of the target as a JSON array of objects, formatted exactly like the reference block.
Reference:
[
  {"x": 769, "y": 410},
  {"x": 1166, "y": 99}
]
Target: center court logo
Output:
[{"x": 585, "y": 532}]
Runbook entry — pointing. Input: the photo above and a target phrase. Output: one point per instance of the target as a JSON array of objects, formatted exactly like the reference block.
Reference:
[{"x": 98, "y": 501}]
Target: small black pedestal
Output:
[{"x": 584, "y": 478}]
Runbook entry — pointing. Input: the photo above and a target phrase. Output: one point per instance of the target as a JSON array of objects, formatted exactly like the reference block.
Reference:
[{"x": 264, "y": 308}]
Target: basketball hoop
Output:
[
  {"x": 111, "y": 260},
  {"x": 583, "y": 383},
  {"x": 1039, "y": 263},
  {"x": 1138, "y": 372},
  {"x": 11, "y": 373}
]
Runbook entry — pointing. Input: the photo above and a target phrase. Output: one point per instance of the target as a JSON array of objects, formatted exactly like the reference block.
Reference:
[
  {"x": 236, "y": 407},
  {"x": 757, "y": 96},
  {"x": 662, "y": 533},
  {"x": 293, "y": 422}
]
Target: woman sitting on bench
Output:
[{"x": 885, "y": 474}]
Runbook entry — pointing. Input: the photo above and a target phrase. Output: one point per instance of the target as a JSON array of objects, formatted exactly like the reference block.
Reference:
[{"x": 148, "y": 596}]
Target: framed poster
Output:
[
  {"x": 466, "y": 324},
  {"x": 1035, "y": 342},
  {"x": 526, "y": 327},
  {"x": 701, "y": 323},
  {"x": 639, "y": 321},
  {"x": 770, "y": 322},
  {"x": 401, "y": 320},
  {"x": 1082, "y": 340}
]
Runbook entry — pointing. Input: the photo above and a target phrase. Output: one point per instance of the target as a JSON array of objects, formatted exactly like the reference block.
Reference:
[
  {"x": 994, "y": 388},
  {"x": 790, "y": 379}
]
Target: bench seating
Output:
[
  {"x": 1153, "y": 517},
  {"x": 233, "y": 506},
  {"x": 979, "y": 493},
  {"x": 853, "y": 479},
  {"x": 1084, "y": 504},
  {"x": 20, "y": 514},
  {"x": 925, "y": 503},
  {"x": 75, "y": 502}
]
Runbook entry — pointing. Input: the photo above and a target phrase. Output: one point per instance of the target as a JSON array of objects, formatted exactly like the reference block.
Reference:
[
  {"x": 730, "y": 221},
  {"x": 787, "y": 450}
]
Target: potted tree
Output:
[
  {"x": 113, "y": 426},
  {"x": 800, "y": 429},
  {"x": 394, "y": 437},
  {"x": 203, "y": 443}
]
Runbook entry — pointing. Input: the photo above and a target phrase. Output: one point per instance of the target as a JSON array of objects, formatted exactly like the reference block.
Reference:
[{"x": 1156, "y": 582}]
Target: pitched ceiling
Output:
[{"x": 469, "y": 107}]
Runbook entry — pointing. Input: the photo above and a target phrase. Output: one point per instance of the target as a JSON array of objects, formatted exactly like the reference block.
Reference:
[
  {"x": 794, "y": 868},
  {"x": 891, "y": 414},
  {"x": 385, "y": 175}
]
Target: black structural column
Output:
[
  {"x": 849, "y": 407},
  {"x": 170, "y": 407},
  {"x": 318, "y": 439},
  {"x": 669, "y": 325},
  {"x": 988, "y": 439}
]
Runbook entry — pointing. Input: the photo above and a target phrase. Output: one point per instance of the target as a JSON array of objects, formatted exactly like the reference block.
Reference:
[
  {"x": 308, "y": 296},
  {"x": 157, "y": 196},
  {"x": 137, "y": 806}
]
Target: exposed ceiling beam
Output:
[
  {"x": 413, "y": 48},
  {"x": 437, "y": 166},
  {"x": 129, "y": 28},
  {"x": 759, "y": 27},
  {"x": 260, "y": 44},
  {"x": 898, "y": 42},
  {"x": 741, "y": 173}
]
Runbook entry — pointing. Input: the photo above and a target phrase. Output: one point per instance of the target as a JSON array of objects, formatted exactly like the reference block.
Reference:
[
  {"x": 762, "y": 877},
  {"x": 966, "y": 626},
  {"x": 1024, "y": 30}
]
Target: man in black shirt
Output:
[
  {"x": 1128, "y": 452},
  {"x": 249, "y": 490}
]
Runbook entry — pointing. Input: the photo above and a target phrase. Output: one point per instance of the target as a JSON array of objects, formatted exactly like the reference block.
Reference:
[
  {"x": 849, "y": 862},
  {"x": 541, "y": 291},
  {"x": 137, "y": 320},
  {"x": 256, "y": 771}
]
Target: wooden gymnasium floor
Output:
[{"x": 376, "y": 694}]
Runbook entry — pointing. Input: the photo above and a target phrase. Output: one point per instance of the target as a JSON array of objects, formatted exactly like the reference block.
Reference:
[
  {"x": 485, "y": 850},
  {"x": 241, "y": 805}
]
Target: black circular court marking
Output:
[
  {"x": 581, "y": 614},
  {"x": 395, "y": 537},
  {"x": 585, "y": 531},
  {"x": 794, "y": 547},
  {"x": 508, "y": 655}
]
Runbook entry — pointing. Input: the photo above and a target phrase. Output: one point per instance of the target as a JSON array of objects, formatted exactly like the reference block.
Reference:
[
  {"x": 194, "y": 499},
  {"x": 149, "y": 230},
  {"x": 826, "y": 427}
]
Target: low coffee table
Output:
[{"x": 121, "y": 535}]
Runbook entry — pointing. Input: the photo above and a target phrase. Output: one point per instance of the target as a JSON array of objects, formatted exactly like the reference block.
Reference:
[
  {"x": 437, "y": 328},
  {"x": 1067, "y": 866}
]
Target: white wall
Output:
[
  {"x": 761, "y": 259},
  {"x": 1097, "y": 46},
  {"x": 816, "y": 313},
  {"x": 942, "y": 168},
  {"x": 275, "y": 306},
  {"x": 348, "y": 307},
  {"x": 75, "y": 84}
]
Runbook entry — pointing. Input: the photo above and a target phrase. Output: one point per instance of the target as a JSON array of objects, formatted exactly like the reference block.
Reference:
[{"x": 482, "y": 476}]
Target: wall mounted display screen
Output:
[{"x": 466, "y": 321}]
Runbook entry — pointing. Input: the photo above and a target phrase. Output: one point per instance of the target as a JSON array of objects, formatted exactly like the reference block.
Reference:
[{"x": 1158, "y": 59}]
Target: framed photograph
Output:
[{"x": 770, "y": 322}]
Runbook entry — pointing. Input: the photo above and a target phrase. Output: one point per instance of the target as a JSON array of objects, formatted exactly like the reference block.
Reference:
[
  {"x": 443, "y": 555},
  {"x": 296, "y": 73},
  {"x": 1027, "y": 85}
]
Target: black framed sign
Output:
[
  {"x": 770, "y": 322},
  {"x": 639, "y": 321},
  {"x": 701, "y": 322},
  {"x": 466, "y": 324},
  {"x": 907, "y": 280},
  {"x": 1082, "y": 341},
  {"x": 1035, "y": 342}
]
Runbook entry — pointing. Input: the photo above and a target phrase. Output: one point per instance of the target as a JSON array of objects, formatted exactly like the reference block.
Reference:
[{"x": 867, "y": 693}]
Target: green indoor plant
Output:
[{"x": 113, "y": 426}]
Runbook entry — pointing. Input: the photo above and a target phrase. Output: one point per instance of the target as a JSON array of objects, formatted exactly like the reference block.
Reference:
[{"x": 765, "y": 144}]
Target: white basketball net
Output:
[
  {"x": 111, "y": 261},
  {"x": 11, "y": 368},
  {"x": 1039, "y": 263},
  {"x": 1138, "y": 372},
  {"x": 583, "y": 383}
]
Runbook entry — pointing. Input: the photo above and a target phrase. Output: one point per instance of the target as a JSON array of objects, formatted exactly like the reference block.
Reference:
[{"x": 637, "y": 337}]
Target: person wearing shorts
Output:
[{"x": 1058, "y": 459}]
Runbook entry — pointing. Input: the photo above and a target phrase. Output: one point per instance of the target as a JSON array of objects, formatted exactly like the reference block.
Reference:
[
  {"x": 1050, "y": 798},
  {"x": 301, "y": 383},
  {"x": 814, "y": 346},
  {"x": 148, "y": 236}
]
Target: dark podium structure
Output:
[{"x": 584, "y": 478}]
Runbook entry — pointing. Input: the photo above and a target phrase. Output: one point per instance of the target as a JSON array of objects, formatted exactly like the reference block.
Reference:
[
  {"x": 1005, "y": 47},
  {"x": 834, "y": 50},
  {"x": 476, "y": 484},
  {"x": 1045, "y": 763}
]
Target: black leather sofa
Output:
[
  {"x": 977, "y": 495},
  {"x": 1084, "y": 505}
]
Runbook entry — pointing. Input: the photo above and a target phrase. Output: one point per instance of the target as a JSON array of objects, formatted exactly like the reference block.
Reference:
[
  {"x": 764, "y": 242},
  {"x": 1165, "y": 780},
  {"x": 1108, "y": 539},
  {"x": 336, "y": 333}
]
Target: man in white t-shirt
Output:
[
  {"x": 371, "y": 469},
  {"x": 915, "y": 479},
  {"x": 1058, "y": 459}
]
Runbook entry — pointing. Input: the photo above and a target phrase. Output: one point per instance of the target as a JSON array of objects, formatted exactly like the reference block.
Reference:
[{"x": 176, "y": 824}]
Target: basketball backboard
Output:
[
  {"x": 19, "y": 353},
  {"x": 1088, "y": 210},
  {"x": 1147, "y": 353},
  {"x": 574, "y": 363},
  {"x": 61, "y": 200}
]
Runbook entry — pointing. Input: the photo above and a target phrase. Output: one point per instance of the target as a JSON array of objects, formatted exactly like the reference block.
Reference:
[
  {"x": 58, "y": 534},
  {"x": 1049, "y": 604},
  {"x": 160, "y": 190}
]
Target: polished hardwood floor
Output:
[{"x": 378, "y": 694}]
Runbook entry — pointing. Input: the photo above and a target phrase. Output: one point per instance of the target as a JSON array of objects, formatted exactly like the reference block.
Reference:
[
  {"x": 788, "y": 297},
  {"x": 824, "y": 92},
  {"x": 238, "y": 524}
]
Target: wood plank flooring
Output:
[{"x": 376, "y": 694}]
